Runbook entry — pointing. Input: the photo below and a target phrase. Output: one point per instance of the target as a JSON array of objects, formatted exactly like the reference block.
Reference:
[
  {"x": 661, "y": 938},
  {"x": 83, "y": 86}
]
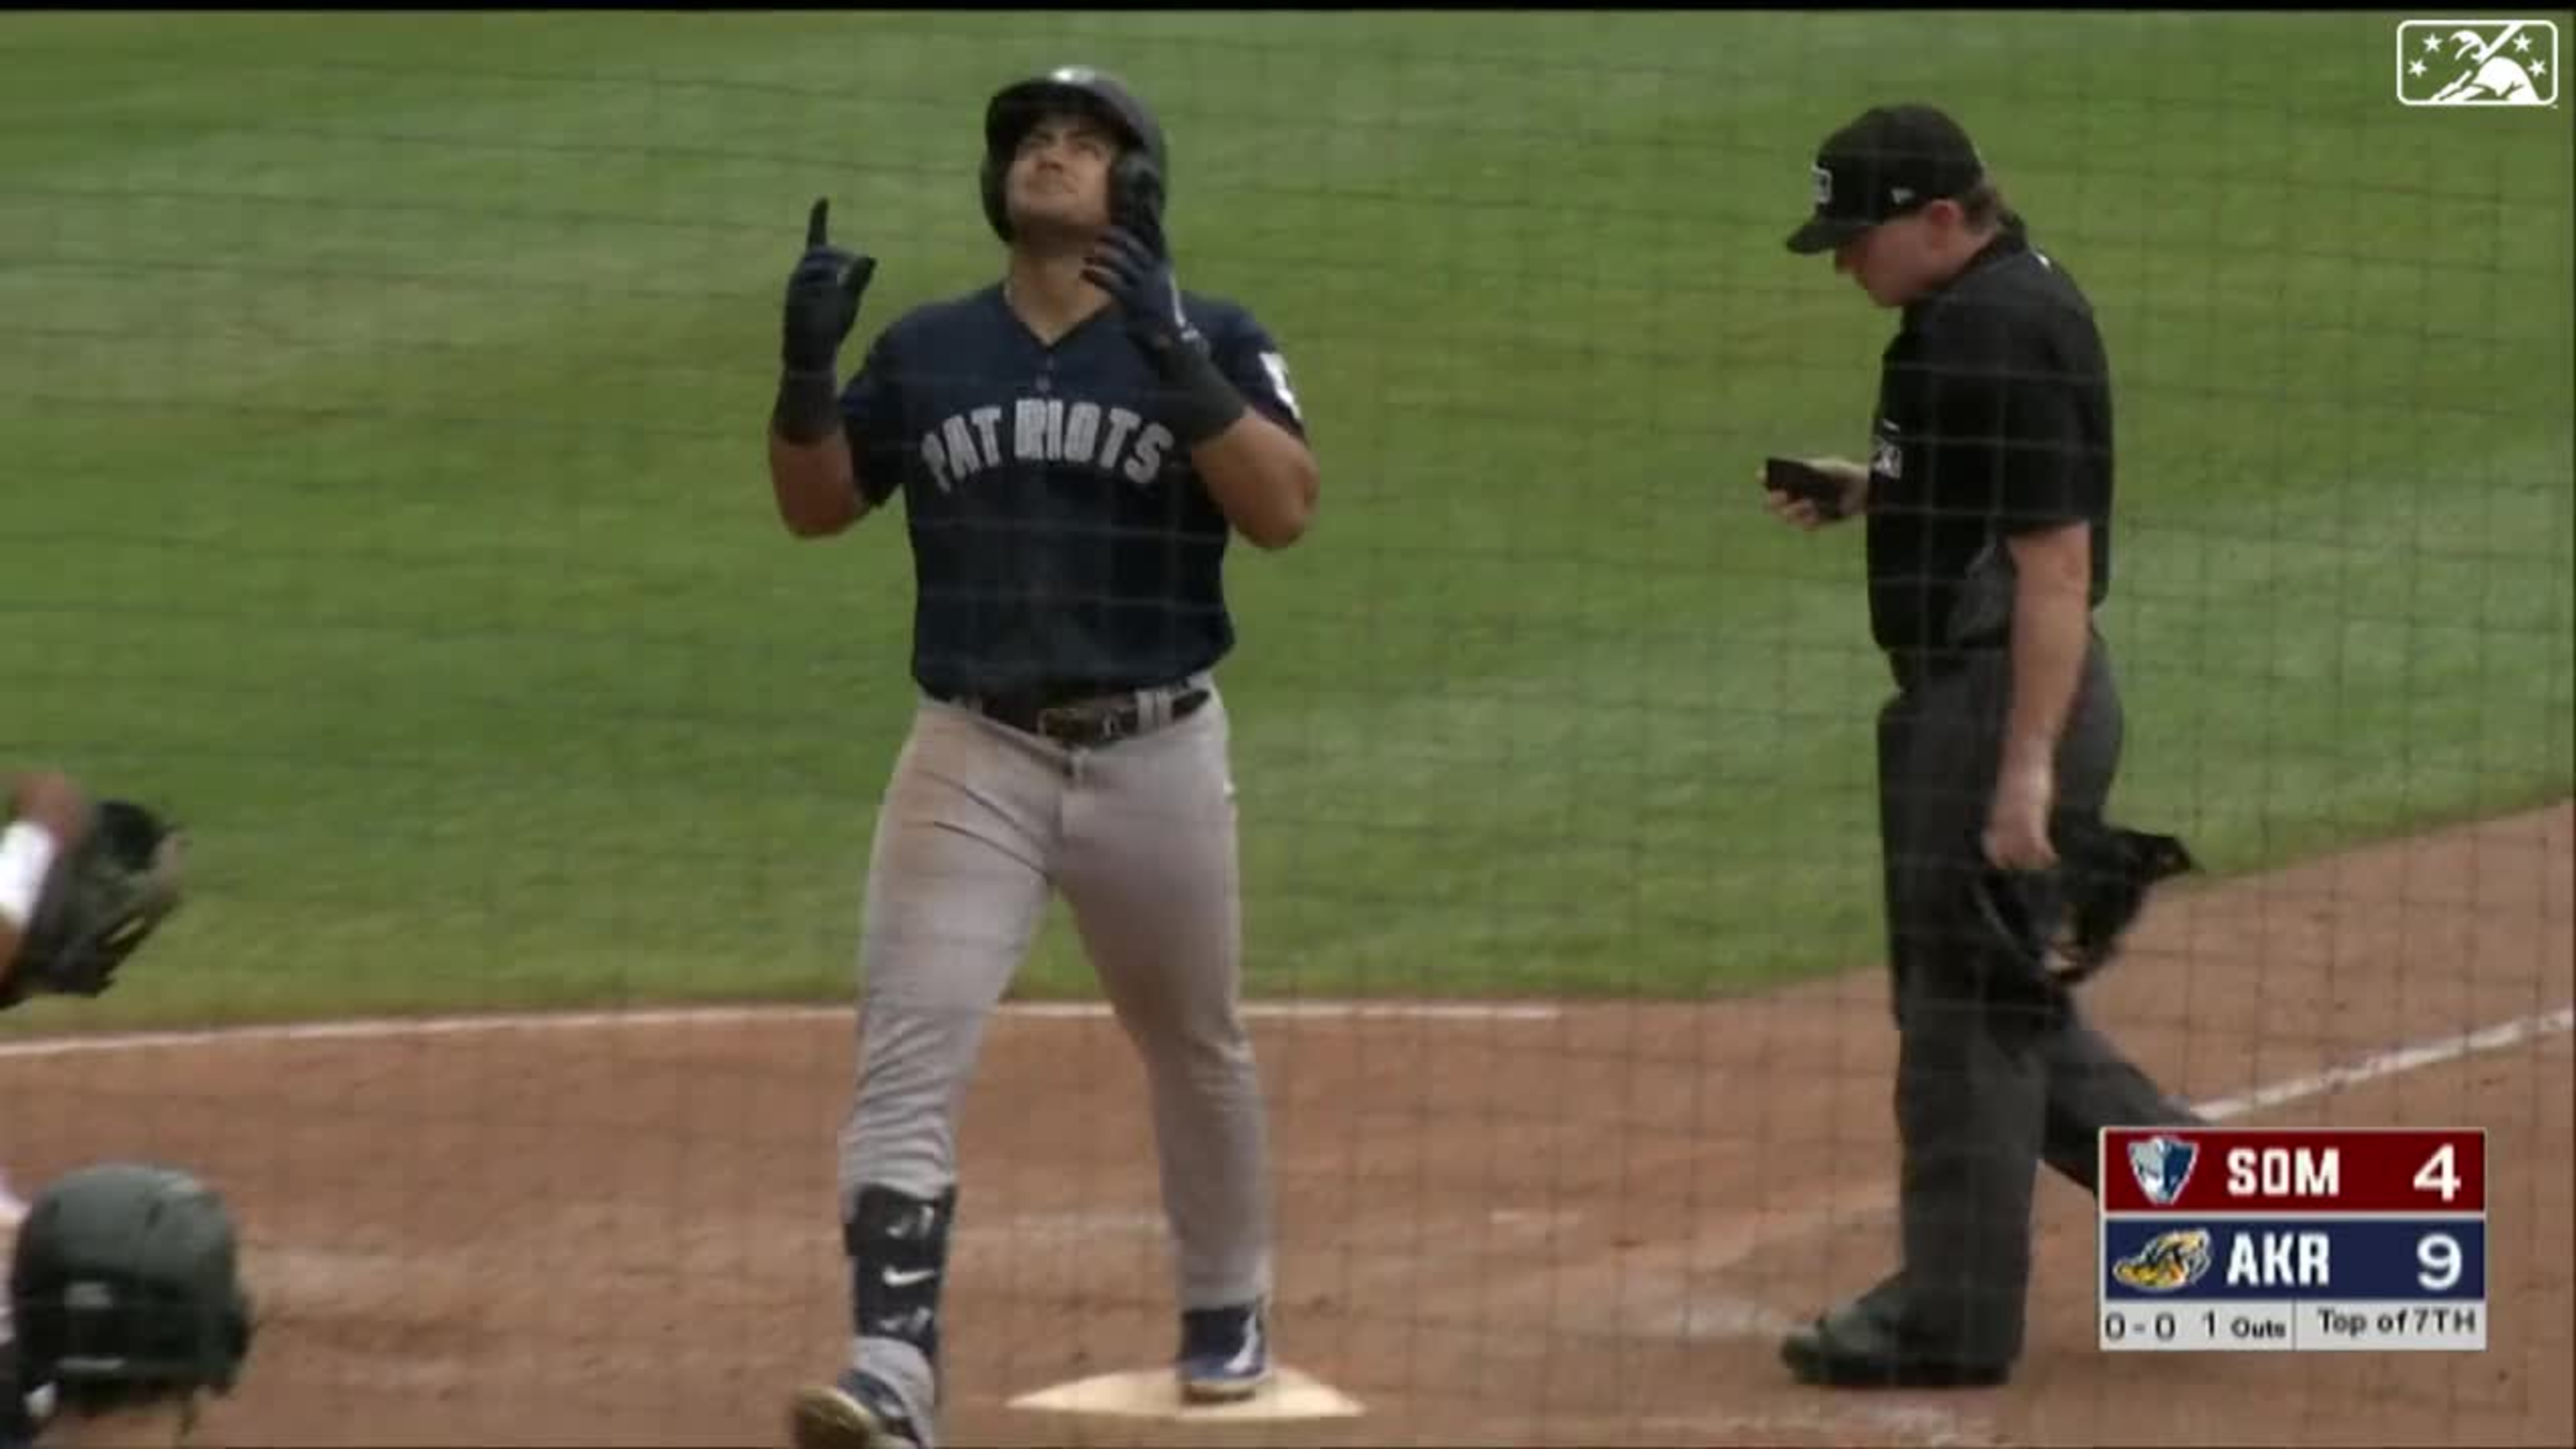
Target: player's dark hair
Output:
[{"x": 1984, "y": 208}]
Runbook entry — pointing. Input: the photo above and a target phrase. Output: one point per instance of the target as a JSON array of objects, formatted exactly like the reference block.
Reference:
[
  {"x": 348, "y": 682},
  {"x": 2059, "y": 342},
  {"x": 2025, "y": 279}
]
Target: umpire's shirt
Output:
[{"x": 1994, "y": 419}]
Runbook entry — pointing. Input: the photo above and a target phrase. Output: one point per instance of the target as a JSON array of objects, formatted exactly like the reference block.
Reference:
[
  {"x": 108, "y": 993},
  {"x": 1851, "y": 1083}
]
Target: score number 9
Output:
[{"x": 2437, "y": 1260}]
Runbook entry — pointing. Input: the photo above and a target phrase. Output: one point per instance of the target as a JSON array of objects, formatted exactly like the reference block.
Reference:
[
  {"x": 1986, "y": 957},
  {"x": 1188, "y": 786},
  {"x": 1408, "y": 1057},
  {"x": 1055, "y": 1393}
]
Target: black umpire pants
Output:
[{"x": 1992, "y": 1078}]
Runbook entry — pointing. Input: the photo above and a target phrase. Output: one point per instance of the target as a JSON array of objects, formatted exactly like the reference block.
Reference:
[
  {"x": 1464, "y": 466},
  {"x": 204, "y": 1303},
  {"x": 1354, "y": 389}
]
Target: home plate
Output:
[{"x": 1154, "y": 1394}]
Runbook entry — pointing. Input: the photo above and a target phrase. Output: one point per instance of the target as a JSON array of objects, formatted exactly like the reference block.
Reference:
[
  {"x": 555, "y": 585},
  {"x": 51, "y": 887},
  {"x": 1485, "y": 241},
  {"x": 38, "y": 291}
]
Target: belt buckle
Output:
[{"x": 1080, "y": 724}]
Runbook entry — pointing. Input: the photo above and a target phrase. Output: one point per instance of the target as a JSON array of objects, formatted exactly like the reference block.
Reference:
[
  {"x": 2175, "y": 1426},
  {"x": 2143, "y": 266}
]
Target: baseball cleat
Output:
[
  {"x": 859, "y": 1412},
  {"x": 1225, "y": 1353}
]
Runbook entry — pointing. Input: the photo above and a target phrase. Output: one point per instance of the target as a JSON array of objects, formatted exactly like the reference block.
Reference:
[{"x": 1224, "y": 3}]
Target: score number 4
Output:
[{"x": 2440, "y": 1174}]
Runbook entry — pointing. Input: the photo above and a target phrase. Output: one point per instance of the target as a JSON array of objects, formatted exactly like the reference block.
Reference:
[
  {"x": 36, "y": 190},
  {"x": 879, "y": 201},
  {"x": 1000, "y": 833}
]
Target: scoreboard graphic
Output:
[{"x": 2297, "y": 1240}]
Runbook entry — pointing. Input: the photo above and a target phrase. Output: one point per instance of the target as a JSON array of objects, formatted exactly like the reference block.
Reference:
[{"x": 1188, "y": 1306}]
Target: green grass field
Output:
[{"x": 382, "y": 402}]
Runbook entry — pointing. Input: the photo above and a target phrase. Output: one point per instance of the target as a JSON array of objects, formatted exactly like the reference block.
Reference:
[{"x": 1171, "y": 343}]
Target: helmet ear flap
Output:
[{"x": 1136, "y": 192}]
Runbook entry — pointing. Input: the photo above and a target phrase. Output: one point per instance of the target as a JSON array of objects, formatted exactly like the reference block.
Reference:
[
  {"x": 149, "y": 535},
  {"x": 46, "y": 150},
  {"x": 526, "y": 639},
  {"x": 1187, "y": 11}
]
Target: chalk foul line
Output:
[{"x": 393, "y": 1028}]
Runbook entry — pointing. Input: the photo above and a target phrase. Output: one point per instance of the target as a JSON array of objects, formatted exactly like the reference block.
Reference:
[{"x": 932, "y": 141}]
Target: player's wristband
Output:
[
  {"x": 26, "y": 856},
  {"x": 1200, "y": 403},
  {"x": 807, "y": 409}
]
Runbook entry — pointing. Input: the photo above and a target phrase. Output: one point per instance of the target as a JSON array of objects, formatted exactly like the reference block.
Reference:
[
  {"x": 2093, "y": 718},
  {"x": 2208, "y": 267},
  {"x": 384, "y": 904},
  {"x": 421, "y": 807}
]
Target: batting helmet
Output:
[
  {"x": 124, "y": 1285},
  {"x": 1142, "y": 167}
]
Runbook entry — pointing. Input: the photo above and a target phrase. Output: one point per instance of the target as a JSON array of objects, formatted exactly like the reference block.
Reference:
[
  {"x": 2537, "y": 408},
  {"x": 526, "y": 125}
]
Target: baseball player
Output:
[
  {"x": 1988, "y": 498},
  {"x": 47, "y": 813},
  {"x": 1074, "y": 445},
  {"x": 128, "y": 1307},
  {"x": 47, "y": 816},
  {"x": 82, "y": 886}
]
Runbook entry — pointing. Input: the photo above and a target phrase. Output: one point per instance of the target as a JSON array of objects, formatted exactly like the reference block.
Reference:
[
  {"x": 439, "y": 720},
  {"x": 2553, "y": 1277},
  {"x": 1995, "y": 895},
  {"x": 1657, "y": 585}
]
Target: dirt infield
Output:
[{"x": 1583, "y": 1225}]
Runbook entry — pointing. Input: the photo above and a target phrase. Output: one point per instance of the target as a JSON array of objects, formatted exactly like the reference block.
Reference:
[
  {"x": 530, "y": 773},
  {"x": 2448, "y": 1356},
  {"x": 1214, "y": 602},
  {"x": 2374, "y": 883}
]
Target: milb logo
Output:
[{"x": 2477, "y": 63}]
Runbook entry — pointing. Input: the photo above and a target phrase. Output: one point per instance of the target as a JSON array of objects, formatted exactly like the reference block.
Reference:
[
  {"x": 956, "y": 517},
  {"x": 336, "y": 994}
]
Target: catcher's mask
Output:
[
  {"x": 2065, "y": 923},
  {"x": 1141, "y": 170},
  {"x": 125, "y": 1285}
]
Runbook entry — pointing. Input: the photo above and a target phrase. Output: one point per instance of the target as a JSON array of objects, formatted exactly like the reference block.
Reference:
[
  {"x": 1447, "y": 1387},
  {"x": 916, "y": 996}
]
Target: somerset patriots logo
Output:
[{"x": 2162, "y": 1165}]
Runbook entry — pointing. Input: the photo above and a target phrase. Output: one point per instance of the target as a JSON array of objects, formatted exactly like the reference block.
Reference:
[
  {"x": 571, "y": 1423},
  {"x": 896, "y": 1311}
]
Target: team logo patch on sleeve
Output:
[{"x": 1277, "y": 366}]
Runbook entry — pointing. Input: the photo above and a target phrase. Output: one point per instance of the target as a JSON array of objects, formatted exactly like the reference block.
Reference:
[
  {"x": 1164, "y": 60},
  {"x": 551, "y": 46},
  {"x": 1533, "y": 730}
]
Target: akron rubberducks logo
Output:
[
  {"x": 2477, "y": 62},
  {"x": 2167, "y": 1262}
]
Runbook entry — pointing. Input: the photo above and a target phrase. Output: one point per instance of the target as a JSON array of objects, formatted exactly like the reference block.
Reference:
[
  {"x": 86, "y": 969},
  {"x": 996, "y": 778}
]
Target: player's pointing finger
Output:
[{"x": 814, "y": 223}]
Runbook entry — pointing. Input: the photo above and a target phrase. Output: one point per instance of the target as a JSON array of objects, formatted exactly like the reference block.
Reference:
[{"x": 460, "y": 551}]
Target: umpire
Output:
[{"x": 1988, "y": 503}]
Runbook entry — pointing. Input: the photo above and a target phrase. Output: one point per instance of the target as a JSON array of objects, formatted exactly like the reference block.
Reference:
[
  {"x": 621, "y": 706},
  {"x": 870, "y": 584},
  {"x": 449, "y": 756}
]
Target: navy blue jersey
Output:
[{"x": 1061, "y": 540}]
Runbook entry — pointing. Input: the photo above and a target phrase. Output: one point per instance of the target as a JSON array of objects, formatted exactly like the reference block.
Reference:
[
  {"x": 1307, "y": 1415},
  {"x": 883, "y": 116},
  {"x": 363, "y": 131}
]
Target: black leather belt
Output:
[
  {"x": 1087, "y": 723},
  {"x": 1915, "y": 668}
]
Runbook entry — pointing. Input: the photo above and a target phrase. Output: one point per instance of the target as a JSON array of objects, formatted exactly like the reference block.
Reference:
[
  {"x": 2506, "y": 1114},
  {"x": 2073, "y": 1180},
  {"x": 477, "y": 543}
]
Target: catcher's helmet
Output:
[
  {"x": 125, "y": 1285},
  {"x": 1142, "y": 168}
]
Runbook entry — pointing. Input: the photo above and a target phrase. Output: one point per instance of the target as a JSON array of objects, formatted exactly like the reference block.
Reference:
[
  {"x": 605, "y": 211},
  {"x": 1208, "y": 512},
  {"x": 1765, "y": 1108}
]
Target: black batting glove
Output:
[
  {"x": 1132, "y": 264},
  {"x": 822, "y": 298},
  {"x": 1137, "y": 275},
  {"x": 822, "y": 305}
]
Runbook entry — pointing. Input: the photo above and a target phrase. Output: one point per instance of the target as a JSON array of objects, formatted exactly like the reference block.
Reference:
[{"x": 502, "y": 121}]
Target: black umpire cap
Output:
[{"x": 1891, "y": 162}]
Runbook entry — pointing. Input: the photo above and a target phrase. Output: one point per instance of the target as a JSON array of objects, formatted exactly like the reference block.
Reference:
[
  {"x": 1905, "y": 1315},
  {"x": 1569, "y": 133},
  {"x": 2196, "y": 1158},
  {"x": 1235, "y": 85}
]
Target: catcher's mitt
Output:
[
  {"x": 104, "y": 900},
  {"x": 2065, "y": 924}
]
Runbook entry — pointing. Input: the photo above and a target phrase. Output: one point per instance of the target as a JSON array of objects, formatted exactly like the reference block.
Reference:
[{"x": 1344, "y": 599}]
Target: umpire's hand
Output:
[
  {"x": 822, "y": 298},
  {"x": 2016, "y": 836},
  {"x": 1800, "y": 514}
]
